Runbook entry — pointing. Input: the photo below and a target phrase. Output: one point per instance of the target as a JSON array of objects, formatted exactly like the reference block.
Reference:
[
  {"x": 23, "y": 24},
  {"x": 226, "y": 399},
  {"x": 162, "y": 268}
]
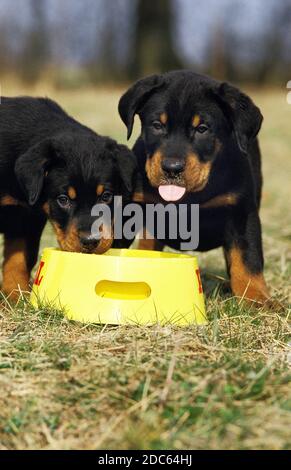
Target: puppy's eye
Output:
[
  {"x": 157, "y": 125},
  {"x": 107, "y": 197},
  {"x": 202, "y": 128},
  {"x": 64, "y": 201}
]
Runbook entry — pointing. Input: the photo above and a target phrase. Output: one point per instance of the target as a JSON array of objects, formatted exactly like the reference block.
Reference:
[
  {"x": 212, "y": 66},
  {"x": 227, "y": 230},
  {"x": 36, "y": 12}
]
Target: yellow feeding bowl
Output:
[{"x": 121, "y": 287}]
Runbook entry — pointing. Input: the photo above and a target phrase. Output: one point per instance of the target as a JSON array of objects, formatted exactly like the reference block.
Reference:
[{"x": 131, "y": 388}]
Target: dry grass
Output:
[{"x": 226, "y": 385}]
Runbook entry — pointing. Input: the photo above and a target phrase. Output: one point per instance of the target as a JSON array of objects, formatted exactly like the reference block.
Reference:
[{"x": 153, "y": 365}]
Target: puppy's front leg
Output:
[
  {"x": 20, "y": 253},
  {"x": 244, "y": 256},
  {"x": 15, "y": 269}
]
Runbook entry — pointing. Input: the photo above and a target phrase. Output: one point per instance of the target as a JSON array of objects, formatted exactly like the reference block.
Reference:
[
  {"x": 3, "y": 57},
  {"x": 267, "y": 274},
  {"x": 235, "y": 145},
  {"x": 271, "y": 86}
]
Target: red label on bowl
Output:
[
  {"x": 38, "y": 277},
  {"x": 199, "y": 281}
]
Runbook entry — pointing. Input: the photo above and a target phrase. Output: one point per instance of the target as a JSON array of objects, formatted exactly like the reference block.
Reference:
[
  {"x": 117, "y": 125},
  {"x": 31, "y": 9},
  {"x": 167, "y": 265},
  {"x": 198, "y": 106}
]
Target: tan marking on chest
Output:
[
  {"x": 228, "y": 199},
  {"x": 138, "y": 197}
]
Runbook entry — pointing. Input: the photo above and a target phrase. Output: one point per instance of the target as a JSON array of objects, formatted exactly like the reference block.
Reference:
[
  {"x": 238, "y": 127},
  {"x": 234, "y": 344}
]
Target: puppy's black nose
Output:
[
  {"x": 88, "y": 241},
  {"x": 170, "y": 165}
]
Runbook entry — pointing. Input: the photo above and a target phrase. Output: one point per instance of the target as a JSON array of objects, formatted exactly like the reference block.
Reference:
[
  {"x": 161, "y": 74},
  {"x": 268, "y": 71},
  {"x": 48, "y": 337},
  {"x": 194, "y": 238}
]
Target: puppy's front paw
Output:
[{"x": 254, "y": 290}]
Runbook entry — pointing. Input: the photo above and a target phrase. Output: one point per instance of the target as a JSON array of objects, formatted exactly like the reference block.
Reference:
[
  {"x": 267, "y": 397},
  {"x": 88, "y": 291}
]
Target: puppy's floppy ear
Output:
[
  {"x": 131, "y": 102},
  {"x": 30, "y": 169},
  {"x": 244, "y": 114},
  {"x": 127, "y": 167}
]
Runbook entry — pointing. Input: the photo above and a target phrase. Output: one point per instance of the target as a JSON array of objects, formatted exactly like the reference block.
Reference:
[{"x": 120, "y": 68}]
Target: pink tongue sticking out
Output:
[{"x": 170, "y": 192}]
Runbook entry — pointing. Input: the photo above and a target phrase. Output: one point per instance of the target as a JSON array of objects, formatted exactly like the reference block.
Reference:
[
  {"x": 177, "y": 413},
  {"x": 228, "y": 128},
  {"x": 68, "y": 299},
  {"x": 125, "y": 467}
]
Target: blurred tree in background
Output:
[
  {"x": 4, "y": 51},
  {"x": 275, "y": 61},
  {"x": 153, "y": 48},
  {"x": 35, "y": 52},
  {"x": 75, "y": 43}
]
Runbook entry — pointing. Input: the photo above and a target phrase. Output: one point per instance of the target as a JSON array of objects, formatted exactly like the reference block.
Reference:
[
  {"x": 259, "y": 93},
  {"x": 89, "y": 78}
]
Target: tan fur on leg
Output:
[
  {"x": 243, "y": 283},
  {"x": 15, "y": 272}
]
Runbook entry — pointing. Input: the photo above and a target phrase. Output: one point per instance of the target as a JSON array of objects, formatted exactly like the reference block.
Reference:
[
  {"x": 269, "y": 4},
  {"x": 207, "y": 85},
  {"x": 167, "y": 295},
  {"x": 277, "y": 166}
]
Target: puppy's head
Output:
[
  {"x": 69, "y": 174},
  {"x": 188, "y": 121}
]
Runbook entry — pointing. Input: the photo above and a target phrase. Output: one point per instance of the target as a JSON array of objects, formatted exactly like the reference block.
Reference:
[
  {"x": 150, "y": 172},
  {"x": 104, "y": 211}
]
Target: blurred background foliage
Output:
[{"x": 75, "y": 43}]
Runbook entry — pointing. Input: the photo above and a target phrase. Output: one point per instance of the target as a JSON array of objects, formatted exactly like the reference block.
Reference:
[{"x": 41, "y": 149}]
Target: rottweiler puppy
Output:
[
  {"x": 198, "y": 145},
  {"x": 52, "y": 167}
]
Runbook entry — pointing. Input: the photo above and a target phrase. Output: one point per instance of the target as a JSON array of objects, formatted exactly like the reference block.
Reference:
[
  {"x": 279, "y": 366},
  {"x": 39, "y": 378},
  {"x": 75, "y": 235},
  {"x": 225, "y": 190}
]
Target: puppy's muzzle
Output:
[
  {"x": 88, "y": 241},
  {"x": 172, "y": 167}
]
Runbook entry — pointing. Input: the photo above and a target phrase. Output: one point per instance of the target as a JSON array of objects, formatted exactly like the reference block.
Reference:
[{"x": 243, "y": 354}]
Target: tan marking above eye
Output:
[
  {"x": 99, "y": 189},
  {"x": 72, "y": 192},
  {"x": 196, "y": 120},
  {"x": 164, "y": 118}
]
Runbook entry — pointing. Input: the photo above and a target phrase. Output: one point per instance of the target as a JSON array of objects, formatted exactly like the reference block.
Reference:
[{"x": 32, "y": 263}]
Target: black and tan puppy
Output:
[
  {"x": 53, "y": 167},
  {"x": 198, "y": 145}
]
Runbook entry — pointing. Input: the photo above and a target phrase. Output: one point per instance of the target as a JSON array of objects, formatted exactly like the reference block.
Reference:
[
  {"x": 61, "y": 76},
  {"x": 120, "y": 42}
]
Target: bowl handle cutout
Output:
[{"x": 123, "y": 290}]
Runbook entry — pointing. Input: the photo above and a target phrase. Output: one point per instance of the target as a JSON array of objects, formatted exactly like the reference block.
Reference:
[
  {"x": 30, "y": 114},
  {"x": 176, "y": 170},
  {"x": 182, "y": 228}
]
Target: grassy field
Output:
[{"x": 226, "y": 385}]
